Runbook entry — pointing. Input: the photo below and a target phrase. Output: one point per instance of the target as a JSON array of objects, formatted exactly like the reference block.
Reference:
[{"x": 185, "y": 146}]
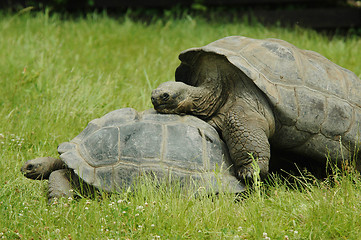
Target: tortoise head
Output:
[{"x": 172, "y": 97}]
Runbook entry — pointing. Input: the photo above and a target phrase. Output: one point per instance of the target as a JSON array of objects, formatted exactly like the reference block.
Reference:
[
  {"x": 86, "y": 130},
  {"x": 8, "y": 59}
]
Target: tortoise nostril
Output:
[{"x": 165, "y": 96}]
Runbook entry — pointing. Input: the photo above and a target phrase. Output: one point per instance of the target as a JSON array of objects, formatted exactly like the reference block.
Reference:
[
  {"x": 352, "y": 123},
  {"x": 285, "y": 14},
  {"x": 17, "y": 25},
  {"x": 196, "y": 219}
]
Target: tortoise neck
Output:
[{"x": 207, "y": 100}]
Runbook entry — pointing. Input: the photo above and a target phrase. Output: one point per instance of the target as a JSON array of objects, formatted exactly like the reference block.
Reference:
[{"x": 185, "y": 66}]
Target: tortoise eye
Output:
[
  {"x": 30, "y": 167},
  {"x": 165, "y": 96}
]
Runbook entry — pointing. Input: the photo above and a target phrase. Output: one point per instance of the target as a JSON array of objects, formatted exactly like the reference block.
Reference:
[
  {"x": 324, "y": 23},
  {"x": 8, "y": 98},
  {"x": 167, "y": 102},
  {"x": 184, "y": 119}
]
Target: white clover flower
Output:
[
  {"x": 265, "y": 236},
  {"x": 140, "y": 208}
]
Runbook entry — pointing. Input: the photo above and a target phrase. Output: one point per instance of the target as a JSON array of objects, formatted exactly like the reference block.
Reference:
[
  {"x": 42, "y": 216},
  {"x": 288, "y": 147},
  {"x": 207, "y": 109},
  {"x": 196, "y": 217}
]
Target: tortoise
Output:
[
  {"x": 114, "y": 150},
  {"x": 268, "y": 95}
]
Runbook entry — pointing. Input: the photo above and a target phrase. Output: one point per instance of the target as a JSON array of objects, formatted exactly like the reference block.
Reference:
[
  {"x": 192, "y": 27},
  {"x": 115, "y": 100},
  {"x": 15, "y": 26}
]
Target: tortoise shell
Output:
[
  {"x": 316, "y": 103},
  {"x": 112, "y": 151}
]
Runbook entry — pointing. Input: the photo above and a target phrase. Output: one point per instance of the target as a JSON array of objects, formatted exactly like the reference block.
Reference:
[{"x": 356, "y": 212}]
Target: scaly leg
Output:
[
  {"x": 60, "y": 185},
  {"x": 246, "y": 132}
]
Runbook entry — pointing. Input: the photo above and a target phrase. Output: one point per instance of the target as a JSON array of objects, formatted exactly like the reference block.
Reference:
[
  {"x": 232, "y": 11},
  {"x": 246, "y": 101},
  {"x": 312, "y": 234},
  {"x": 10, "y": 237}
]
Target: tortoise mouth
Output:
[
  {"x": 164, "y": 105},
  {"x": 33, "y": 174},
  {"x": 158, "y": 105},
  {"x": 170, "y": 107},
  {"x": 163, "y": 108}
]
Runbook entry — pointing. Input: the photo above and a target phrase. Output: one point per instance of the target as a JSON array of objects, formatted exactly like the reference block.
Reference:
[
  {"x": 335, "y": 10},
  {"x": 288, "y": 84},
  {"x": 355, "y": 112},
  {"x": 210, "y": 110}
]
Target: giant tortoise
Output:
[
  {"x": 268, "y": 94},
  {"x": 114, "y": 150}
]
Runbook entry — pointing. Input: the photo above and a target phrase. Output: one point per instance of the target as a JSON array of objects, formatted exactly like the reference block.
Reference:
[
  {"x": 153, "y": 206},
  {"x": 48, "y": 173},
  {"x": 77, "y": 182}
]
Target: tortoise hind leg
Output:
[
  {"x": 60, "y": 184},
  {"x": 41, "y": 168}
]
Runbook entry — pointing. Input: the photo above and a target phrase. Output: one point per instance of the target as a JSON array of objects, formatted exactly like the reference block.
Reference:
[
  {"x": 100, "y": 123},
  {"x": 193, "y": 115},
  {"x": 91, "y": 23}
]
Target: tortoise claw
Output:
[{"x": 246, "y": 173}]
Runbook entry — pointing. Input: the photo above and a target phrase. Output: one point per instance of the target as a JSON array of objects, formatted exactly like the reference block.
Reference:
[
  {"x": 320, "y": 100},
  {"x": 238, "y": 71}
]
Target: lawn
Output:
[{"x": 58, "y": 74}]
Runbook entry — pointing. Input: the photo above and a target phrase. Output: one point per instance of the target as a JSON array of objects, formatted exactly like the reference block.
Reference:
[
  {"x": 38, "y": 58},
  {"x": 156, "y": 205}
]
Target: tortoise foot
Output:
[
  {"x": 60, "y": 185},
  {"x": 247, "y": 172}
]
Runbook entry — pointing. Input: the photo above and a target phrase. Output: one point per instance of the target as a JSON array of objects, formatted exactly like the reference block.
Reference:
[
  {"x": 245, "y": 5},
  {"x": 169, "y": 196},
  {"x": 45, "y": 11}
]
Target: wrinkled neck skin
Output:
[
  {"x": 212, "y": 94},
  {"x": 218, "y": 88},
  {"x": 205, "y": 101},
  {"x": 241, "y": 94}
]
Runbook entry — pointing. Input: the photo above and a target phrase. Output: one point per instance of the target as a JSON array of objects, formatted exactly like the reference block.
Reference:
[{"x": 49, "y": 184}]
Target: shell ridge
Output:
[
  {"x": 300, "y": 63},
  {"x": 353, "y": 121},
  {"x": 297, "y": 104}
]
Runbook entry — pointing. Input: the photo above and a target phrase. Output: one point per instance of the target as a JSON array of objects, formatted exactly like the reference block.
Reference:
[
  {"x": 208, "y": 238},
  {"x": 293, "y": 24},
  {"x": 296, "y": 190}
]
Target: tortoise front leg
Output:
[
  {"x": 60, "y": 184},
  {"x": 246, "y": 133}
]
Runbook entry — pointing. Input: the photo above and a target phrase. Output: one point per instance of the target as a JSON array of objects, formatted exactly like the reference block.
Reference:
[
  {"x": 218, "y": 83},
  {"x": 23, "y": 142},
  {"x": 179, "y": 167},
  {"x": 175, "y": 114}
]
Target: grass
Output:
[{"x": 57, "y": 75}]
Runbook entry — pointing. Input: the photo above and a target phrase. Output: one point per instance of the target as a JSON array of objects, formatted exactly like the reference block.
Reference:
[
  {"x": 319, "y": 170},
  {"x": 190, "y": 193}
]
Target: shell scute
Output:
[
  {"x": 192, "y": 159},
  {"x": 312, "y": 110},
  {"x": 339, "y": 118},
  {"x": 136, "y": 142},
  {"x": 97, "y": 156}
]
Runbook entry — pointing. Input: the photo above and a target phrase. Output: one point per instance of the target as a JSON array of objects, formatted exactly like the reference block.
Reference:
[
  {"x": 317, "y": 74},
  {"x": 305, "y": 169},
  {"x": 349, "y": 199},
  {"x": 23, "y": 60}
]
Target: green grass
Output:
[{"x": 57, "y": 75}]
